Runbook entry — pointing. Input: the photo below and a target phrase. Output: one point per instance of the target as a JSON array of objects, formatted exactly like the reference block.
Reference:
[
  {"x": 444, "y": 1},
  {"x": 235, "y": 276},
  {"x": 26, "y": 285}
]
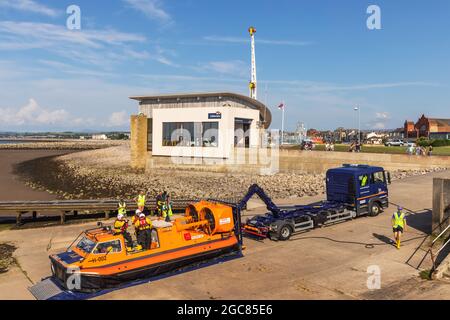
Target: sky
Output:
[{"x": 319, "y": 57}]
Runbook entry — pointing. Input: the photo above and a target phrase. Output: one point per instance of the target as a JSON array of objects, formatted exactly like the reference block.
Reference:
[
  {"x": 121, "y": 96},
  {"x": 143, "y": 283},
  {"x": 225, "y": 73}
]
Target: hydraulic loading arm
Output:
[{"x": 255, "y": 189}]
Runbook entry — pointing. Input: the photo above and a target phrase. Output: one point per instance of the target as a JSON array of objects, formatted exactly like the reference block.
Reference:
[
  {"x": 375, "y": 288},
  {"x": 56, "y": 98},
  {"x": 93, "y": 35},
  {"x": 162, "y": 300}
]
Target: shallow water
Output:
[{"x": 11, "y": 141}]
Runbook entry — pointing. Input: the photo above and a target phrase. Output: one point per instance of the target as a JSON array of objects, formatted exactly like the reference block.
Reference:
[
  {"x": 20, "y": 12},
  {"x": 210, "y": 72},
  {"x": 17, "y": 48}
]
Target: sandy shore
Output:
[{"x": 11, "y": 187}]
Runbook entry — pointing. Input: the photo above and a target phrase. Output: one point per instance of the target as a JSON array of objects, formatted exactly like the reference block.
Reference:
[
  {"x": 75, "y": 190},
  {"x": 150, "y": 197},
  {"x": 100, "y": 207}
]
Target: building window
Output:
[
  {"x": 190, "y": 134},
  {"x": 210, "y": 134}
]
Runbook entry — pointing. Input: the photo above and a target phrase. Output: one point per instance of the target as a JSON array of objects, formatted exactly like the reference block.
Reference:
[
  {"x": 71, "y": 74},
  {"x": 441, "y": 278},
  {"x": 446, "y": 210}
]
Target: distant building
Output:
[
  {"x": 99, "y": 137},
  {"x": 374, "y": 138},
  {"x": 430, "y": 128},
  {"x": 398, "y": 133}
]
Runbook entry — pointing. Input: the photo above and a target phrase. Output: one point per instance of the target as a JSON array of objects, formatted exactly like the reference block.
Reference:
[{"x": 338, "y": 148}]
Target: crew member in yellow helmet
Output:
[{"x": 122, "y": 208}]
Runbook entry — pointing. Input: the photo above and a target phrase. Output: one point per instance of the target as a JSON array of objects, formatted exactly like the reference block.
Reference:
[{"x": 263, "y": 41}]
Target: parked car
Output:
[
  {"x": 307, "y": 145},
  {"x": 394, "y": 142}
]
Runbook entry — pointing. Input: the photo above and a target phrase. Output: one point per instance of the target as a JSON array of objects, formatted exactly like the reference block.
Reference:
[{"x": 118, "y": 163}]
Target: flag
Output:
[{"x": 281, "y": 106}]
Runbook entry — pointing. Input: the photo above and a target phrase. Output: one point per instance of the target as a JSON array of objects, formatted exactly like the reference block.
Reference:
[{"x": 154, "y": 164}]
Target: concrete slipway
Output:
[{"x": 327, "y": 263}]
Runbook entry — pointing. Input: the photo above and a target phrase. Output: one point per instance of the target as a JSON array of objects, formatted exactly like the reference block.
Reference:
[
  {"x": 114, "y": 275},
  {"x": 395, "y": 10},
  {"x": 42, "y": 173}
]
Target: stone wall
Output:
[
  {"x": 296, "y": 161},
  {"x": 319, "y": 161},
  {"x": 138, "y": 143}
]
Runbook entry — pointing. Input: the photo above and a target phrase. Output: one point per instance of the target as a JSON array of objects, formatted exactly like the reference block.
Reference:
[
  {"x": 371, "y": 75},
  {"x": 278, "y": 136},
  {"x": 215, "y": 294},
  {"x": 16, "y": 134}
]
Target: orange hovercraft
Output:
[{"x": 101, "y": 259}]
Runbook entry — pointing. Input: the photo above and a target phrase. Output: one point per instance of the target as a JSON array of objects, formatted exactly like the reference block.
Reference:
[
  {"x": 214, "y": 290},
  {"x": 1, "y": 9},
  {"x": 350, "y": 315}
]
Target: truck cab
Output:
[{"x": 363, "y": 188}]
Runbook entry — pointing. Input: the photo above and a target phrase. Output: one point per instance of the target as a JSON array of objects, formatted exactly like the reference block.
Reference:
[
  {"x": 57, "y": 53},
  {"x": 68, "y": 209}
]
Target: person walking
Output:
[
  {"x": 398, "y": 225},
  {"x": 418, "y": 150}
]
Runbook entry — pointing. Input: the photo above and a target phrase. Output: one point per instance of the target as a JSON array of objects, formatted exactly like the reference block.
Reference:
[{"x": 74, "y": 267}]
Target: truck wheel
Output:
[
  {"x": 284, "y": 233},
  {"x": 374, "y": 209}
]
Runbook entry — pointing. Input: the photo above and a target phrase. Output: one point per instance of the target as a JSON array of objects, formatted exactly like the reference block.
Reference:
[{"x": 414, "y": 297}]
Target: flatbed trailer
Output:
[{"x": 352, "y": 191}]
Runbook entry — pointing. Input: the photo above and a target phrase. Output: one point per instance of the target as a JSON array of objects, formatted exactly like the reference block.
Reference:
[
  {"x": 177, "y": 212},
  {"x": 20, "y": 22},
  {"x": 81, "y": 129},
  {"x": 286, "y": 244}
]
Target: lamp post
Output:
[{"x": 359, "y": 123}]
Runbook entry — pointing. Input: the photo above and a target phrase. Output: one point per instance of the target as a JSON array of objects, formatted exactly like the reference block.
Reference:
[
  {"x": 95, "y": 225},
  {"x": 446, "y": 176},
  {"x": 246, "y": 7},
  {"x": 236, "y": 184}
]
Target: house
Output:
[{"x": 430, "y": 128}]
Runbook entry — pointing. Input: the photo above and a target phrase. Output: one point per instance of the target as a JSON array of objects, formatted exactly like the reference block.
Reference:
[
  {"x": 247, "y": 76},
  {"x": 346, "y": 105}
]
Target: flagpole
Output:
[{"x": 282, "y": 124}]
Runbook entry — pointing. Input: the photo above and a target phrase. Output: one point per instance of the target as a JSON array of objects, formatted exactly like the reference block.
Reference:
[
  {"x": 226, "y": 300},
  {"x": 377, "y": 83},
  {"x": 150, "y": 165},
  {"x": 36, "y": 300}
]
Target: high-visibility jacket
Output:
[
  {"x": 167, "y": 210},
  {"x": 120, "y": 226},
  {"x": 398, "y": 220},
  {"x": 143, "y": 224},
  {"x": 122, "y": 208},
  {"x": 141, "y": 201}
]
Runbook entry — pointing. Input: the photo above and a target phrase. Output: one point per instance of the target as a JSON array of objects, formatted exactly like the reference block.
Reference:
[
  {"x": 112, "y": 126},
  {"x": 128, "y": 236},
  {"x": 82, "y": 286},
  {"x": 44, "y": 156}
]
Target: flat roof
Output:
[{"x": 265, "y": 113}]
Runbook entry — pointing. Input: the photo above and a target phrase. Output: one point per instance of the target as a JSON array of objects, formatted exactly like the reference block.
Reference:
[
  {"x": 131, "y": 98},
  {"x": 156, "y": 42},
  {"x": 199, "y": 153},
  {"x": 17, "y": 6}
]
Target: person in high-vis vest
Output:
[
  {"x": 122, "y": 208},
  {"x": 140, "y": 200},
  {"x": 144, "y": 227},
  {"x": 167, "y": 212},
  {"x": 120, "y": 227},
  {"x": 160, "y": 200},
  {"x": 398, "y": 225}
]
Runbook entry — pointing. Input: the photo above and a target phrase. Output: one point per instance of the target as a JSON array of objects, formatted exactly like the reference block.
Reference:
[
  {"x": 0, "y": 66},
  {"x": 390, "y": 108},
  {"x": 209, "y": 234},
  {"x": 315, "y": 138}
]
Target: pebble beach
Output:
[{"x": 105, "y": 173}]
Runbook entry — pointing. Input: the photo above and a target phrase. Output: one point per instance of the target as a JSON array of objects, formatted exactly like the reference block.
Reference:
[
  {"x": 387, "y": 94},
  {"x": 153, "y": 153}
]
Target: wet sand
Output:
[{"x": 11, "y": 187}]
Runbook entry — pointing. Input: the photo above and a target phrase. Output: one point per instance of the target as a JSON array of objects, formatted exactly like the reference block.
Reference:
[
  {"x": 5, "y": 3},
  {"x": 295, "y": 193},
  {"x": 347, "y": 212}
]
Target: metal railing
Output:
[
  {"x": 433, "y": 255},
  {"x": 67, "y": 207},
  {"x": 429, "y": 250}
]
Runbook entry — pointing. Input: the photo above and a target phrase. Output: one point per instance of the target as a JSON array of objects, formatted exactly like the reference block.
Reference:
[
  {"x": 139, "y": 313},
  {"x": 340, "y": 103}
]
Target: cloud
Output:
[
  {"x": 102, "y": 48},
  {"x": 380, "y": 120},
  {"x": 32, "y": 114},
  {"x": 99, "y": 47},
  {"x": 69, "y": 69},
  {"x": 44, "y": 35},
  {"x": 118, "y": 119},
  {"x": 29, "y": 6},
  {"x": 259, "y": 41},
  {"x": 140, "y": 55},
  {"x": 150, "y": 8},
  {"x": 311, "y": 87},
  {"x": 233, "y": 67}
]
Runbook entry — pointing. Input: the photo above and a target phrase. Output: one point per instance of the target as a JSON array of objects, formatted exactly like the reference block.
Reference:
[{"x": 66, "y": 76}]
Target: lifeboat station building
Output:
[{"x": 206, "y": 125}]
